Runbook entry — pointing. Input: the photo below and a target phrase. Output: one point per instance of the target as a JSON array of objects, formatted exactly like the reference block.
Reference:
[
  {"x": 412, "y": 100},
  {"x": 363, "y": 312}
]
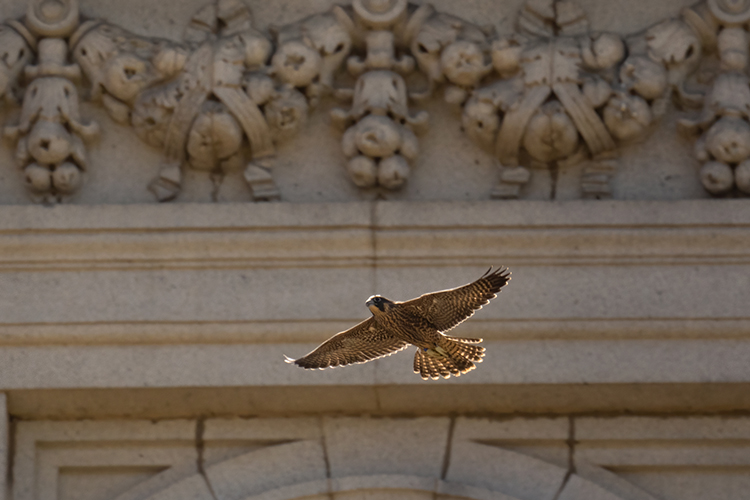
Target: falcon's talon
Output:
[{"x": 421, "y": 321}]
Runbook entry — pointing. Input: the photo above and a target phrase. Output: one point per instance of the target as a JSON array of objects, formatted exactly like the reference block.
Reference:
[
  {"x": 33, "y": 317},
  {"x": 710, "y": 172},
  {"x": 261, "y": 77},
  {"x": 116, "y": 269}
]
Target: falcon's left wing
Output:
[{"x": 448, "y": 308}]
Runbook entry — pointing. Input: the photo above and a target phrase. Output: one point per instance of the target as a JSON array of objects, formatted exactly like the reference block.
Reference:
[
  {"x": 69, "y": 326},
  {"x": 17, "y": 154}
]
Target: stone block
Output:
[
  {"x": 456, "y": 491},
  {"x": 4, "y": 448},
  {"x": 192, "y": 488},
  {"x": 576, "y": 488},
  {"x": 667, "y": 457},
  {"x": 169, "y": 295},
  {"x": 673, "y": 428},
  {"x": 384, "y": 494},
  {"x": 511, "y": 473},
  {"x": 268, "y": 469},
  {"x": 366, "y": 446},
  {"x": 512, "y": 429},
  {"x": 692, "y": 483},
  {"x": 593, "y": 477},
  {"x": 661, "y": 442},
  {"x": 261, "y": 429},
  {"x": 542, "y": 438},
  {"x": 131, "y": 460}
]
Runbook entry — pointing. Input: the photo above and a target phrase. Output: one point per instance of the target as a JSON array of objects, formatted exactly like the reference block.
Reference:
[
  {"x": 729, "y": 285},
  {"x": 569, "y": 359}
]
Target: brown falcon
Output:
[{"x": 422, "y": 322}]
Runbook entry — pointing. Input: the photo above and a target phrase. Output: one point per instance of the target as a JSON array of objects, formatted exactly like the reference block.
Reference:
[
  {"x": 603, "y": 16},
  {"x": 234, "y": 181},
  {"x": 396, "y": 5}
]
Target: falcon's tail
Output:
[{"x": 452, "y": 357}]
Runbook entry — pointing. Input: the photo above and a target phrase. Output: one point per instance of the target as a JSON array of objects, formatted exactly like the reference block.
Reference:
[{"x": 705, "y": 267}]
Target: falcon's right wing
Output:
[
  {"x": 359, "y": 344},
  {"x": 447, "y": 308}
]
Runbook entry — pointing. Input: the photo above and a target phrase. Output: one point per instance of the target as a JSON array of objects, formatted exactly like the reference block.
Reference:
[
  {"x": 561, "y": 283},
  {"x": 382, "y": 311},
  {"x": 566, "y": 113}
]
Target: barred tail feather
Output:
[
  {"x": 419, "y": 366},
  {"x": 458, "y": 358},
  {"x": 459, "y": 351},
  {"x": 431, "y": 367}
]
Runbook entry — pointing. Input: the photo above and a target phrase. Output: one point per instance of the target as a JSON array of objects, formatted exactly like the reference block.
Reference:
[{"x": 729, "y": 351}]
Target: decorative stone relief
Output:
[
  {"x": 50, "y": 135},
  {"x": 566, "y": 95},
  {"x": 450, "y": 50},
  {"x": 198, "y": 101},
  {"x": 16, "y": 51},
  {"x": 551, "y": 95},
  {"x": 723, "y": 145},
  {"x": 379, "y": 140}
]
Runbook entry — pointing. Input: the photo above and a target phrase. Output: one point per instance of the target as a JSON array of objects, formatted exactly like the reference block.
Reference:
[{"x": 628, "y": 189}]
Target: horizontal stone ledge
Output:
[
  {"x": 27, "y": 219},
  {"x": 206, "y": 236},
  {"x": 554, "y": 214},
  {"x": 418, "y": 399},
  {"x": 510, "y": 362},
  {"x": 312, "y": 330},
  {"x": 544, "y": 293},
  {"x": 352, "y": 248}
]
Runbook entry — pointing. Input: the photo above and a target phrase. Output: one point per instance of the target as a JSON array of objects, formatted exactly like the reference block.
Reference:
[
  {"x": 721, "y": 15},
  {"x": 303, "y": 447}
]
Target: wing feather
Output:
[
  {"x": 447, "y": 308},
  {"x": 361, "y": 343}
]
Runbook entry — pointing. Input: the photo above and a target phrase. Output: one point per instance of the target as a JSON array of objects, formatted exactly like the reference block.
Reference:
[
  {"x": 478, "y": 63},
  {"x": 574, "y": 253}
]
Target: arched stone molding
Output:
[{"x": 290, "y": 458}]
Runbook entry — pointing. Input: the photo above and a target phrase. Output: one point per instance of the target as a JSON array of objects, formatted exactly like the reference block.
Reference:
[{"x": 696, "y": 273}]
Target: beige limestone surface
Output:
[{"x": 142, "y": 343}]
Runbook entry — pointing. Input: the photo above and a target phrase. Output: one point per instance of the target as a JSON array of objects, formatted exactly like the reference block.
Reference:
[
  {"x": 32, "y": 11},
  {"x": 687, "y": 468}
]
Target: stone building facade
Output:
[{"x": 192, "y": 189}]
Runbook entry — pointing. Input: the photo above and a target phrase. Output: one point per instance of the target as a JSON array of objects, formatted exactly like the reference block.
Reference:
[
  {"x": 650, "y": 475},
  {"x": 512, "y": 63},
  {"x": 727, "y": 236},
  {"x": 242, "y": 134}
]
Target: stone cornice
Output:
[
  {"x": 650, "y": 250},
  {"x": 377, "y": 234}
]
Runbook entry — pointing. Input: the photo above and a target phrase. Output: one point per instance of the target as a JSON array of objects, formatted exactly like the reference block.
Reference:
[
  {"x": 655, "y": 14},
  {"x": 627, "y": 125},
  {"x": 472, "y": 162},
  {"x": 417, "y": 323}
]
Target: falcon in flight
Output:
[{"x": 422, "y": 322}]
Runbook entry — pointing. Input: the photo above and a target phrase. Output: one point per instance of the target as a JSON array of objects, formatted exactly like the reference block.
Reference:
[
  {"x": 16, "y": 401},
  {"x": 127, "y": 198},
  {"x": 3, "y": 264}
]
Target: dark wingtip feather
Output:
[{"x": 497, "y": 279}]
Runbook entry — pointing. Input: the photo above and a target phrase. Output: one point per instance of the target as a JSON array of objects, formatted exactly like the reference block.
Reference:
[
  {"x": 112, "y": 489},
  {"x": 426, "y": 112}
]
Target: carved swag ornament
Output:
[
  {"x": 550, "y": 95},
  {"x": 566, "y": 95}
]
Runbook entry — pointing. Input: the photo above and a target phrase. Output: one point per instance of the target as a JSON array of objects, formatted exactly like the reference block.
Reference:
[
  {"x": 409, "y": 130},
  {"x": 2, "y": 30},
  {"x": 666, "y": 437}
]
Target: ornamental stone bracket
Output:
[
  {"x": 553, "y": 94},
  {"x": 50, "y": 135},
  {"x": 722, "y": 128}
]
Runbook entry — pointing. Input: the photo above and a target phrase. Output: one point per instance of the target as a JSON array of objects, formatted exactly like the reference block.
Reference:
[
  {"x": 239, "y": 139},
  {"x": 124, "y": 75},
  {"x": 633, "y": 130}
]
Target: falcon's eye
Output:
[{"x": 376, "y": 300}]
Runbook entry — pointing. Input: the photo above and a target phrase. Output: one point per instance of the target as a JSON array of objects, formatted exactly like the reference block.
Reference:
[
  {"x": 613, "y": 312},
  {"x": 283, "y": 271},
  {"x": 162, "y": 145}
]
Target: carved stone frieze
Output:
[{"x": 550, "y": 95}]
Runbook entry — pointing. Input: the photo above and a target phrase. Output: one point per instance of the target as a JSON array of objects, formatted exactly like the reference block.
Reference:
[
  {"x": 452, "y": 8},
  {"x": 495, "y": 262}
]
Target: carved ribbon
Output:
[
  {"x": 189, "y": 104},
  {"x": 514, "y": 125},
  {"x": 251, "y": 119},
  {"x": 588, "y": 122}
]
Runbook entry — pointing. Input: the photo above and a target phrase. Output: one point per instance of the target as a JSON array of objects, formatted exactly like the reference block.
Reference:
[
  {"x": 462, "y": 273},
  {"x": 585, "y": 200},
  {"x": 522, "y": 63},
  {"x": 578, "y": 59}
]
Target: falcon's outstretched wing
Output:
[
  {"x": 359, "y": 344},
  {"x": 448, "y": 308}
]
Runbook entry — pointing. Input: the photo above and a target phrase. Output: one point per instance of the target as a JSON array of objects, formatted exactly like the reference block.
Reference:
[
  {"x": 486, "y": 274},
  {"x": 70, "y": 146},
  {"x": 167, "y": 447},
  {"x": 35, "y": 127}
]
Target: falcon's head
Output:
[{"x": 378, "y": 304}]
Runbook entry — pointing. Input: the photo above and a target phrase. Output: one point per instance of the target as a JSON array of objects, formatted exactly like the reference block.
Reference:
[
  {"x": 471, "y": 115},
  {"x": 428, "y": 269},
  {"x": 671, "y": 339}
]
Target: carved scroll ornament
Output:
[{"x": 550, "y": 95}]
